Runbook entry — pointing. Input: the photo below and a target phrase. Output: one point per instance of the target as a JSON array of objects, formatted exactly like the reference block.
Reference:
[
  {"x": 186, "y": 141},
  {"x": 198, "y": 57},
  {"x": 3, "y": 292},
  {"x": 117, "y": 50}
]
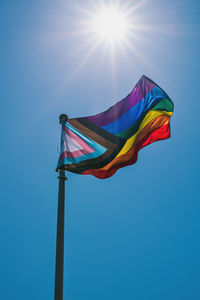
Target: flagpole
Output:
[{"x": 60, "y": 229}]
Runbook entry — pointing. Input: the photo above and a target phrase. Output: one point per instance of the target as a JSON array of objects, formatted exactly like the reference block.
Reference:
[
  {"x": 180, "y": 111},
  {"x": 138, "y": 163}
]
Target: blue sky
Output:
[{"x": 135, "y": 235}]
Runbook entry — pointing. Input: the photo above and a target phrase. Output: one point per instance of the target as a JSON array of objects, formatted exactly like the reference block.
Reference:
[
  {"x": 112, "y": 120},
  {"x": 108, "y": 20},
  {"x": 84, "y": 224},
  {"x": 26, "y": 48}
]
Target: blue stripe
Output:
[{"x": 133, "y": 114}]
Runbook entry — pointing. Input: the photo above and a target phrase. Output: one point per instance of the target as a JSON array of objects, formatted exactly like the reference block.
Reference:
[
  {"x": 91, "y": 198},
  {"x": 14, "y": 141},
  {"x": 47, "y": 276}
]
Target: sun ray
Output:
[
  {"x": 84, "y": 60},
  {"x": 129, "y": 9},
  {"x": 145, "y": 62}
]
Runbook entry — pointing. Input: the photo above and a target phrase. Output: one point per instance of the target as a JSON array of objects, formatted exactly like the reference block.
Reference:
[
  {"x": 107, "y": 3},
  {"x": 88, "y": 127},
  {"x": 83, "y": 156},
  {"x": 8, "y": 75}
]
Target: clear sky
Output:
[{"x": 136, "y": 234}]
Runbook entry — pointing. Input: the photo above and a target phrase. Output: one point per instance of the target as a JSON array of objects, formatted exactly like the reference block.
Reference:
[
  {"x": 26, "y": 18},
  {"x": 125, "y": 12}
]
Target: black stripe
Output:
[{"x": 102, "y": 132}]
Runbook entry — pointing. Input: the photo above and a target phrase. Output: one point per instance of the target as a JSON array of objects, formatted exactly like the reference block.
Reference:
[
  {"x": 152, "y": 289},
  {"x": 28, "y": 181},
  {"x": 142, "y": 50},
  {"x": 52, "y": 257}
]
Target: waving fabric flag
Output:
[{"x": 101, "y": 144}]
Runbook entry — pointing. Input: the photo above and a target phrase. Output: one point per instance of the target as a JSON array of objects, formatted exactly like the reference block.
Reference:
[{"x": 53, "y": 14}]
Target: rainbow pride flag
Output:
[{"x": 101, "y": 144}]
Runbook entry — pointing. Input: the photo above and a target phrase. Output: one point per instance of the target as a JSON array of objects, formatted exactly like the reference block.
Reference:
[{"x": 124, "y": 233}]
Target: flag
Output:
[{"x": 101, "y": 144}]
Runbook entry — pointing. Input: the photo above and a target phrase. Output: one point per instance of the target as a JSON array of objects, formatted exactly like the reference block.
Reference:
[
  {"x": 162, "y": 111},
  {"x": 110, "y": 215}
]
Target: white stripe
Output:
[{"x": 68, "y": 144}]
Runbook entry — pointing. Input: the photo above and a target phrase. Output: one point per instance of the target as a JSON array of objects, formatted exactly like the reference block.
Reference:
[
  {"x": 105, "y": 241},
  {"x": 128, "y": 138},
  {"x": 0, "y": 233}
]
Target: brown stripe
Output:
[
  {"x": 100, "y": 131},
  {"x": 92, "y": 135}
]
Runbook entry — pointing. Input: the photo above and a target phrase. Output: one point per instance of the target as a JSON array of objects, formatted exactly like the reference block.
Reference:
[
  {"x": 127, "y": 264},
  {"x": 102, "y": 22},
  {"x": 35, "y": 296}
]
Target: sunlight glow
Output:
[{"x": 111, "y": 24}]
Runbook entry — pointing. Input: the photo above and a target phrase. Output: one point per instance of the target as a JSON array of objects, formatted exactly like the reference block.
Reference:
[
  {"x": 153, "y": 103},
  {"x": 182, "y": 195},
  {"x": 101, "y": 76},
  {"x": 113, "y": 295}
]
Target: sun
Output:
[
  {"x": 107, "y": 23},
  {"x": 110, "y": 24}
]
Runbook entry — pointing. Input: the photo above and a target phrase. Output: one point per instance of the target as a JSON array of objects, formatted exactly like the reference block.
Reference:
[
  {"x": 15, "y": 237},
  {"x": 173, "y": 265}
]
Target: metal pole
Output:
[{"x": 60, "y": 231}]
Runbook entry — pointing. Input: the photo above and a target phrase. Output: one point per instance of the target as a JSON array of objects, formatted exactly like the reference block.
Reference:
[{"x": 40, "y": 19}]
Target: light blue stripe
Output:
[
  {"x": 133, "y": 114},
  {"x": 77, "y": 160}
]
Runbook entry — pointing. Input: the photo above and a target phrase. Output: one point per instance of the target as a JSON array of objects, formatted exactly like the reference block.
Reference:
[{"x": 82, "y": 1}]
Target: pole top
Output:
[
  {"x": 62, "y": 175},
  {"x": 63, "y": 118}
]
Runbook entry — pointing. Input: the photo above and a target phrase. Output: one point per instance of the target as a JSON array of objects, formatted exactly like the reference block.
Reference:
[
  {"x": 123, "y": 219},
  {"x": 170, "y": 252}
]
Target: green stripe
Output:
[{"x": 164, "y": 104}]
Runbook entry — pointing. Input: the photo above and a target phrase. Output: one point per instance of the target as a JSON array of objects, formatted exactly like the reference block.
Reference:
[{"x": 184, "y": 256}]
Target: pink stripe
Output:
[
  {"x": 83, "y": 144},
  {"x": 74, "y": 154}
]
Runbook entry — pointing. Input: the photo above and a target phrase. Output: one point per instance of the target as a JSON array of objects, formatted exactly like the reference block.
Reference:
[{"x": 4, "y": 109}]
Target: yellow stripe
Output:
[{"x": 152, "y": 114}]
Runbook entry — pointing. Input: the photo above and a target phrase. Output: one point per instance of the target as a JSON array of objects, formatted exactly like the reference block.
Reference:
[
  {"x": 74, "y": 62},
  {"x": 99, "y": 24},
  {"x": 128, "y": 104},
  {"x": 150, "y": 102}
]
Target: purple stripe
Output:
[{"x": 143, "y": 86}]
